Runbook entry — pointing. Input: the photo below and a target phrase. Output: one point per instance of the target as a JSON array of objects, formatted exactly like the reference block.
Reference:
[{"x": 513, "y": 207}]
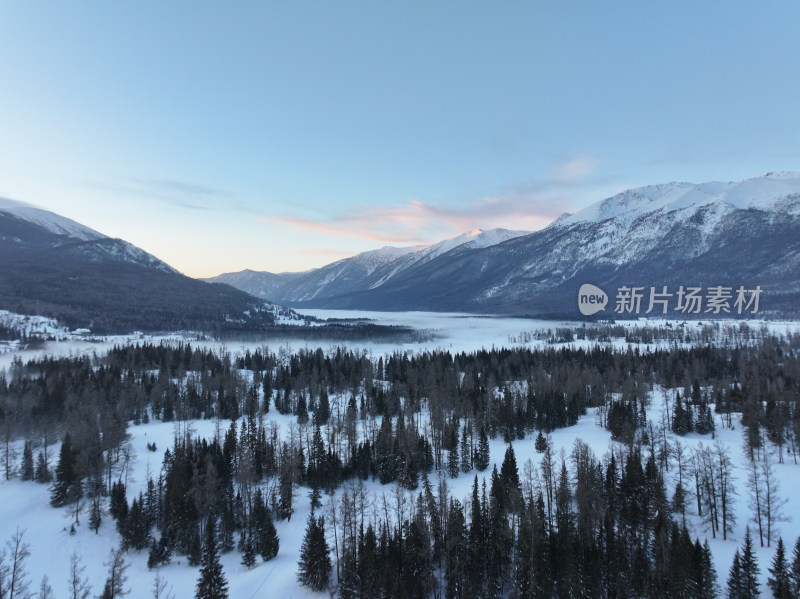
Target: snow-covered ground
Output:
[{"x": 25, "y": 506}]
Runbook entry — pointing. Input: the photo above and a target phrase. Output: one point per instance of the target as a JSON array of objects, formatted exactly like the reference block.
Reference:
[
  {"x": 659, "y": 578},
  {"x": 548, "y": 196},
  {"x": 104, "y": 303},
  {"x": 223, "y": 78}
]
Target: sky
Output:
[{"x": 282, "y": 136}]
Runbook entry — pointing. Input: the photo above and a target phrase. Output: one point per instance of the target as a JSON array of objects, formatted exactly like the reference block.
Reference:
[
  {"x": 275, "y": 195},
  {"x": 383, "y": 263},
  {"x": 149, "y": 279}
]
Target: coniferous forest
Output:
[{"x": 549, "y": 524}]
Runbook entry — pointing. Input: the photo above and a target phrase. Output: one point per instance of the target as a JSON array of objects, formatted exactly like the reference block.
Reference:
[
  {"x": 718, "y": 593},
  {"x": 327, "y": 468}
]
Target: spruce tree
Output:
[
  {"x": 248, "y": 550},
  {"x": 212, "y": 583},
  {"x": 314, "y": 567},
  {"x": 750, "y": 569},
  {"x": 268, "y": 542},
  {"x": 482, "y": 453},
  {"x": 26, "y": 469},
  {"x": 735, "y": 586},
  {"x": 794, "y": 570},
  {"x": 195, "y": 554},
  {"x": 67, "y": 487},
  {"x": 707, "y": 585},
  {"x": 778, "y": 582},
  {"x": 42, "y": 473},
  {"x": 743, "y": 578},
  {"x": 96, "y": 516}
]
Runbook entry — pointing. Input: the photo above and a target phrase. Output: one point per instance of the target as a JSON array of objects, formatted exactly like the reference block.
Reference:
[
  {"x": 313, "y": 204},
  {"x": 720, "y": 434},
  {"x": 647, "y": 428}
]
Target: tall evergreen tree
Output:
[
  {"x": 456, "y": 551},
  {"x": 707, "y": 584},
  {"x": 42, "y": 473},
  {"x": 314, "y": 567},
  {"x": 735, "y": 586},
  {"x": 482, "y": 453},
  {"x": 778, "y": 581},
  {"x": 212, "y": 583},
  {"x": 67, "y": 486},
  {"x": 743, "y": 579},
  {"x": 794, "y": 570},
  {"x": 750, "y": 569},
  {"x": 26, "y": 468}
]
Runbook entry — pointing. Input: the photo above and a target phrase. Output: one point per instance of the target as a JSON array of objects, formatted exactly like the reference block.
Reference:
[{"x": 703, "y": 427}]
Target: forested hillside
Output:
[{"x": 624, "y": 524}]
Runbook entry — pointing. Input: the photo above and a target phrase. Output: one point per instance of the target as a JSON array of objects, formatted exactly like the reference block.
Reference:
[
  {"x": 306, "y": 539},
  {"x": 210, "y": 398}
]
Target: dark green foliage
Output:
[
  {"x": 314, "y": 567},
  {"x": 212, "y": 583},
  {"x": 95, "y": 516},
  {"x": 159, "y": 554},
  {"x": 456, "y": 551},
  {"x": 42, "y": 474},
  {"x": 778, "y": 581},
  {"x": 794, "y": 570},
  {"x": 263, "y": 535},
  {"x": 26, "y": 468},
  {"x": 743, "y": 577},
  {"x": 135, "y": 527},
  {"x": 622, "y": 421},
  {"x": 706, "y": 574},
  {"x": 248, "y": 550},
  {"x": 482, "y": 453},
  {"x": 195, "y": 548},
  {"x": 541, "y": 442},
  {"x": 67, "y": 486}
]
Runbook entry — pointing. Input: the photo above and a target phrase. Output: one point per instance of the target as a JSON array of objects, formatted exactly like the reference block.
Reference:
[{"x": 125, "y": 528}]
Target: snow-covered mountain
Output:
[
  {"x": 23, "y": 226},
  {"x": 51, "y": 265},
  {"x": 49, "y": 221},
  {"x": 744, "y": 233},
  {"x": 368, "y": 270}
]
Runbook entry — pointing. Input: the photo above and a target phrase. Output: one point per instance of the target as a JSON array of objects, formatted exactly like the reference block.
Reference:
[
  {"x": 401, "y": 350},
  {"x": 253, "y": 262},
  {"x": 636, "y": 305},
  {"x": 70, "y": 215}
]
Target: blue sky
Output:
[{"x": 282, "y": 136}]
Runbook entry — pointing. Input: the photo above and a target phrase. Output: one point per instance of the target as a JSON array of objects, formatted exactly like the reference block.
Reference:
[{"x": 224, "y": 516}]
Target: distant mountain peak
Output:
[
  {"x": 50, "y": 221},
  {"x": 781, "y": 175}
]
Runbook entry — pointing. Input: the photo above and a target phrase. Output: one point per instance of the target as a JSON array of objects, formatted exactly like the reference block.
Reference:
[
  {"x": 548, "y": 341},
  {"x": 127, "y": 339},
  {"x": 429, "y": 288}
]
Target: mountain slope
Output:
[
  {"x": 365, "y": 271},
  {"x": 734, "y": 234},
  {"x": 52, "y": 266}
]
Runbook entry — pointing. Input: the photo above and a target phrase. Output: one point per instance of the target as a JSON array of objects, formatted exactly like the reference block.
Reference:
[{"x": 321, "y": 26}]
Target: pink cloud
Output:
[{"x": 416, "y": 222}]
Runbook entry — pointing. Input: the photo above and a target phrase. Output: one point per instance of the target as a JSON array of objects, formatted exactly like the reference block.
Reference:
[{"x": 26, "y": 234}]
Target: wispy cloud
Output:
[
  {"x": 324, "y": 252},
  {"x": 529, "y": 207},
  {"x": 573, "y": 171},
  {"x": 182, "y": 194}
]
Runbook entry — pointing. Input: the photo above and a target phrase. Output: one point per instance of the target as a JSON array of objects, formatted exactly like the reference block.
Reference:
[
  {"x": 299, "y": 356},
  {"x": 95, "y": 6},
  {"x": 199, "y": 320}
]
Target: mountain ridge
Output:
[
  {"x": 718, "y": 233},
  {"x": 55, "y": 267}
]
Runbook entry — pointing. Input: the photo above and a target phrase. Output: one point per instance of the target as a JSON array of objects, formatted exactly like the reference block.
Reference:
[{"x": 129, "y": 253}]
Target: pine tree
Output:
[
  {"x": 482, "y": 453},
  {"x": 541, "y": 443},
  {"x": 67, "y": 487},
  {"x": 794, "y": 570},
  {"x": 323, "y": 411},
  {"x": 26, "y": 468},
  {"x": 42, "y": 473},
  {"x": 96, "y": 516},
  {"x": 302, "y": 409},
  {"x": 212, "y": 583},
  {"x": 248, "y": 550},
  {"x": 159, "y": 554},
  {"x": 268, "y": 543},
  {"x": 735, "y": 585},
  {"x": 743, "y": 579},
  {"x": 314, "y": 567},
  {"x": 195, "y": 554},
  {"x": 707, "y": 585},
  {"x": 778, "y": 582},
  {"x": 118, "y": 503}
]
